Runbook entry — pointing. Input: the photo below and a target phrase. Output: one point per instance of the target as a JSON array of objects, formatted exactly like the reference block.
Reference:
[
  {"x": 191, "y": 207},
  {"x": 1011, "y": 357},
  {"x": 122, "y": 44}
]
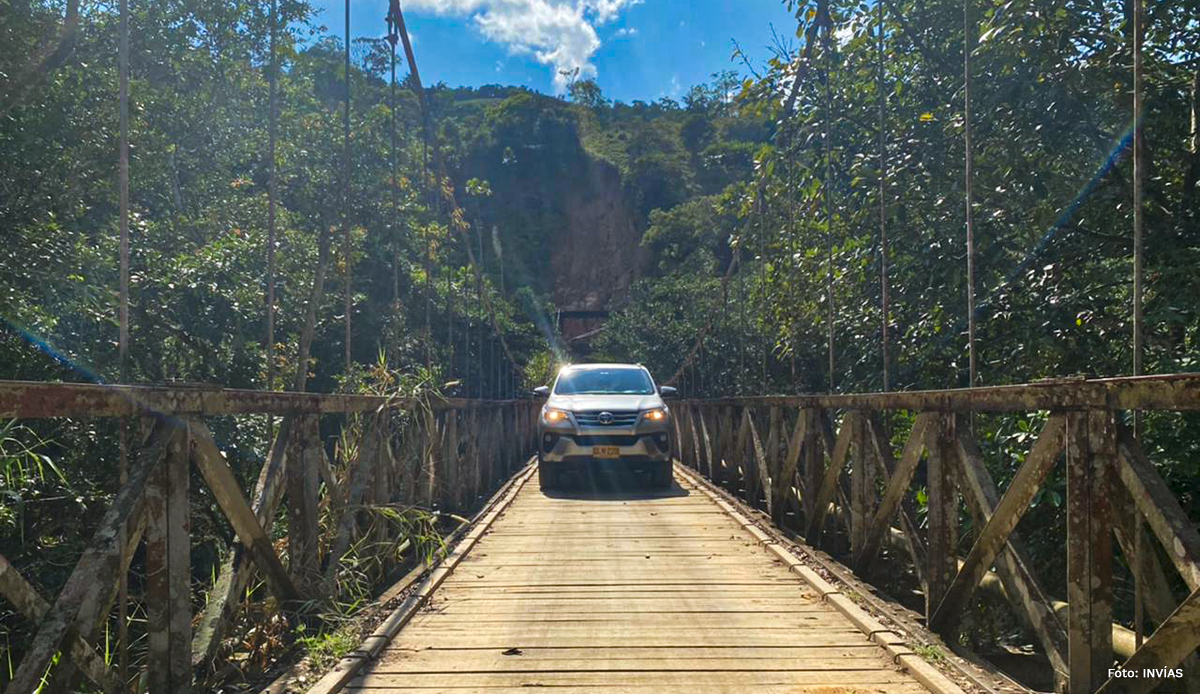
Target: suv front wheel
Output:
[
  {"x": 661, "y": 476},
  {"x": 548, "y": 479}
]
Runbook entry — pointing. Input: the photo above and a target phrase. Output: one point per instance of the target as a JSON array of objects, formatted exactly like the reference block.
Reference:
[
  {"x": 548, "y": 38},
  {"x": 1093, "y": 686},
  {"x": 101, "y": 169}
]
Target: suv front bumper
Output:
[{"x": 646, "y": 442}]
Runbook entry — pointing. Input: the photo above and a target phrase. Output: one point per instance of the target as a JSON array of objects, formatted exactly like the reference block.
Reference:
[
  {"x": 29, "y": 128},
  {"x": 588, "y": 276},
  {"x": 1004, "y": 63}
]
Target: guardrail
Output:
[
  {"x": 826, "y": 466},
  {"x": 446, "y": 453}
]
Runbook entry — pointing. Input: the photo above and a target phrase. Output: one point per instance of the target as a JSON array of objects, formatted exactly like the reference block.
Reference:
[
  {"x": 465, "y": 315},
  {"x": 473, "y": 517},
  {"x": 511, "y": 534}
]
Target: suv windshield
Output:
[{"x": 604, "y": 382}]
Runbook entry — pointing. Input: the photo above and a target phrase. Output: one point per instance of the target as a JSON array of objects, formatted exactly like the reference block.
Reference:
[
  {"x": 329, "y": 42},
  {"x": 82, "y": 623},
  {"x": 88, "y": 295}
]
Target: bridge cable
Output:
[
  {"x": 393, "y": 38},
  {"x": 1139, "y": 171},
  {"x": 346, "y": 254},
  {"x": 123, "y": 333},
  {"x": 272, "y": 192},
  {"x": 801, "y": 75},
  {"x": 883, "y": 172},
  {"x": 968, "y": 182},
  {"x": 457, "y": 220},
  {"x": 827, "y": 192},
  {"x": 762, "y": 274}
]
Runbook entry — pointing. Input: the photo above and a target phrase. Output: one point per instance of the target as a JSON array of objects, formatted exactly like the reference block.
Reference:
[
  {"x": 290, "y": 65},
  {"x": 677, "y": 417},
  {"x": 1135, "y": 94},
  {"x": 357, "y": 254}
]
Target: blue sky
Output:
[{"x": 636, "y": 49}]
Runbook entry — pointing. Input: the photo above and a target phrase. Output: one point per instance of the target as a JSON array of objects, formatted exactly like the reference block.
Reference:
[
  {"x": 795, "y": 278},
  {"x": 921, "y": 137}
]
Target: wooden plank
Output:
[
  {"x": 1091, "y": 450},
  {"x": 235, "y": 573},
  {"x": 1160, "y": 507},
  {"x": 228, "y": 494},
  {"x": 168, "y": 571},
  {"x": 86, "y": 593},
  {"x": 1004, "y": 518},
  {"x": 1167, "y": 647},
  {"x": 1031, "y": 602},
  {"x": 829, "y": 481},
  {"x": 899, "y": 479},
  {"x": 942, "y": 514},
  {"x": 643, "y": 590}
]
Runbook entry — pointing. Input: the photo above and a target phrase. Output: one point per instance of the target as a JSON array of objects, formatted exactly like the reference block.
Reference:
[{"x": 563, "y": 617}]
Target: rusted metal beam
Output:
[
  {"x": 234, "y": 575},
  {"x": 370, "y": 452},
  {"x": 27, "y": 399},
  {"x": 907, "y": 513},
  {"x": 862, "y": 485},
  {"x": 1167, "y": 647},
  {"x": 1004, "y": 519},
  {"x": 1091, "y": 452},
  {"x": 1160, "y": 602},
  {"x": 942, "y": 514},
  {"x": 897, "y": 485},
  {"x": 829, "y": 481},
  {"x": 85, "y": 594},
  {"x": 168, "y": 571},
  {"x": 1017, "y": 577},
  {"x": 228, "y": 494},
  {"x": 1161, "y": 392},
  {"x": 23, "y": 596},
  {"x": 303, "y": 535},
  {"x": 1157, "y": 503},
  {"x": 760, "y": 465}
]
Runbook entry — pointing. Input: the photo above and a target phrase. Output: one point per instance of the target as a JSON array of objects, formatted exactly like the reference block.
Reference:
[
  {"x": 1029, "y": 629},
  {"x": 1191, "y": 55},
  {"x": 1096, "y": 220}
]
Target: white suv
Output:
[{"x": 607, "y": 415}]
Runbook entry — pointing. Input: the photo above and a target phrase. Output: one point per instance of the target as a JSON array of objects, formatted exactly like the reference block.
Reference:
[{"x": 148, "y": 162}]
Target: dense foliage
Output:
[{"x": 744, "y": 212}]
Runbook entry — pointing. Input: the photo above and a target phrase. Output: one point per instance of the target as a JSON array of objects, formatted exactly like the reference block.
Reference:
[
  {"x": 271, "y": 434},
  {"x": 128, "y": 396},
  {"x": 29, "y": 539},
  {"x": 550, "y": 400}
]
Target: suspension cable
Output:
[
  {"x": 272, "y": 191},
  {"x": 968, "y": 183},
  {"x": 393, "y": 38},
  {"x": 883, "y": 239},
  {"x": 346, "y": 256},
  {"x": 457, "y": 220},
  {"x": 123, "y": 332},
  {"x": 826, "y": 193},
  {"x": 1138, "y": 221}
]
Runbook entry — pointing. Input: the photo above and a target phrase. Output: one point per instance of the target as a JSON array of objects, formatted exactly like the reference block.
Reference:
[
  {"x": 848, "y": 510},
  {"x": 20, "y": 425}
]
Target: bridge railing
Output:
[
  {"x": 826, "y": 467},
  {"x": 393, "y": 454}
]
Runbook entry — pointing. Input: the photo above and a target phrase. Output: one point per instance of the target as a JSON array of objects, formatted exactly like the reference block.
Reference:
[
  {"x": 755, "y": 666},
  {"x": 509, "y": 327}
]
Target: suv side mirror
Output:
[
  {"x": 542, "y": 391},
  {"x": 668, "y": 392}
]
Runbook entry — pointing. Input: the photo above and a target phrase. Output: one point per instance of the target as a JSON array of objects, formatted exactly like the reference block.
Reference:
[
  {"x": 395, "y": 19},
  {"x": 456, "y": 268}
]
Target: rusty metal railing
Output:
[
  {"x": 443, "y": 453},
  {"x": 825, "y": 465}
]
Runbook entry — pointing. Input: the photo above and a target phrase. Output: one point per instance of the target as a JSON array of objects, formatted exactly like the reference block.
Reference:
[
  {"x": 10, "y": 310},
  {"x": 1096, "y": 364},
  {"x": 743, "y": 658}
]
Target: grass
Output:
[
  {"x": 325, "y": 649},
  {"x": 933, "y": 654}
]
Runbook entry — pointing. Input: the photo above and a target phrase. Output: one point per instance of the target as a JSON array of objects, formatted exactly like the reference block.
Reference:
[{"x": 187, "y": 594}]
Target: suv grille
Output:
[
  {"x": 613, "y": 419},
  {"x": 606, "y": 440}
]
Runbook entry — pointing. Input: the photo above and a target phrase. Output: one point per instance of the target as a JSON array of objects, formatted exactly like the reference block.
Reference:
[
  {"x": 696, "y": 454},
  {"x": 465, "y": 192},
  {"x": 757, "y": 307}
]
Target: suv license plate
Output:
[{"x": 606, "y": 452}]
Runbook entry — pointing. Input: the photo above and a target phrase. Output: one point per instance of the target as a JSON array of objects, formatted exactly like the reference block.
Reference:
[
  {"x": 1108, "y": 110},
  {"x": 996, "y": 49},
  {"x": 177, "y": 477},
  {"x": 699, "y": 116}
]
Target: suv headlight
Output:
[
  {"x": 658, "y": 414},
  {"x": 554, "y": 416}
]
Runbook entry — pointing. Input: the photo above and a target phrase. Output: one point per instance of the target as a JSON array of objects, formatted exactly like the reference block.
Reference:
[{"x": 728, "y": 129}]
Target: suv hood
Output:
[{"x": 612, "y": 403}]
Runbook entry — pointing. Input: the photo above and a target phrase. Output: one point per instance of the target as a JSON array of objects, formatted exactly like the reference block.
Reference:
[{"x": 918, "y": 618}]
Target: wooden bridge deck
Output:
[{"x": 627, "y": 593}]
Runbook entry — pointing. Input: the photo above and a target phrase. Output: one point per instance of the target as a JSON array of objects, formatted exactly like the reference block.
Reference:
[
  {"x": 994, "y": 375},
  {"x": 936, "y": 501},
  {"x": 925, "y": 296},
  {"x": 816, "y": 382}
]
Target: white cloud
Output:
[
  {"x": 560, "y": 34},
  {"x": 625, "y": 31}
]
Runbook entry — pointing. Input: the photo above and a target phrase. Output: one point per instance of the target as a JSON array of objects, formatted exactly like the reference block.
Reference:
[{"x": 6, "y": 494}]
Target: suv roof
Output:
[{"x": 602, "y": 365}]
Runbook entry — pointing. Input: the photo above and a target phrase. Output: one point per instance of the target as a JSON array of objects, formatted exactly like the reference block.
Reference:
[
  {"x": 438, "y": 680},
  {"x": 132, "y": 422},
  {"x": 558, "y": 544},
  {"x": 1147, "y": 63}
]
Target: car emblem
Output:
[{"x": 606, "y": 418}]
